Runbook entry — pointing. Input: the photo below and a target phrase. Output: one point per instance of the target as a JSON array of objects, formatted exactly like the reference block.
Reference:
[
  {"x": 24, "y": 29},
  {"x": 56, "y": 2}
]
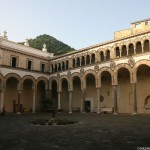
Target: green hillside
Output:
[{"x": 53, "y": 45}]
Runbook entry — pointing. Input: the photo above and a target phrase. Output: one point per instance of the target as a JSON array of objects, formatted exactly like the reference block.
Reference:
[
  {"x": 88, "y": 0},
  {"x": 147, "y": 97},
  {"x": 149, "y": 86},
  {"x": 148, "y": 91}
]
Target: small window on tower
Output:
[
  {"x": 146, "y": 23},
  {"x": 137, "y": 25}
]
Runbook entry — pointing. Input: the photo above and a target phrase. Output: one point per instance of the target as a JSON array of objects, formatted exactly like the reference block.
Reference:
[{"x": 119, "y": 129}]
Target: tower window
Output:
[
  {"x": 137, "y": 25},
  {"x": 146, "y": 23}
]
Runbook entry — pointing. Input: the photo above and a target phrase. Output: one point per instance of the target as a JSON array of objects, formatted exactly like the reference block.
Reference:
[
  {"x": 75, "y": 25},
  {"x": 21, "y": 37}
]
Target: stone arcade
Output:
[{"x": 114, "y": 75}]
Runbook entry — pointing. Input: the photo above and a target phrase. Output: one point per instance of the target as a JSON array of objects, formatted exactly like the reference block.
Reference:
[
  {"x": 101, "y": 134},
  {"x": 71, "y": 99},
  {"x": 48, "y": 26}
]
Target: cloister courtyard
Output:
[{"x": 92, "y": 132}]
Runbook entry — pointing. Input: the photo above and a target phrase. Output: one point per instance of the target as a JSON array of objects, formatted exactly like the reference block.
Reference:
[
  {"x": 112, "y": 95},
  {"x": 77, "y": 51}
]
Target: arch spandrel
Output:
[
  {"x": 141, "y": 62},
  {"x": 1, "y": 77},
  {"x": 1, "y": 82},
  {"x": 138, "y": 40},
  {"x": 14, "y": 75},
  {"x": 89, "y": 72},
  {"x": 28, "y": 77},
  {"x": 147, "y": 37}
]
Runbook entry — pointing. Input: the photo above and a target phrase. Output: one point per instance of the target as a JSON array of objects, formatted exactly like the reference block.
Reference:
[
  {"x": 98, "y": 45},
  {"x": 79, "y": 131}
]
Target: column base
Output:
[
  {"x": 115, "y": 113},
  {"x": 135, "y": 113},
  {"x": 70, "y": 112},
  {"x": 18, "y": 113}
]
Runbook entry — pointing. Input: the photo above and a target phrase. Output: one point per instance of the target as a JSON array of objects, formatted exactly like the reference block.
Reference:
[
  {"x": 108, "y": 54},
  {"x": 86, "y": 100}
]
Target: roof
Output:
[{"x": 141, "y": 21}]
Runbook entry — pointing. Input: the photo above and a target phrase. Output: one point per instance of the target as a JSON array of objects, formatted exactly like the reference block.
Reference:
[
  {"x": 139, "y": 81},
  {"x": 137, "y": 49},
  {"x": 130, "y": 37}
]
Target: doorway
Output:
[{"x": 87, "y": 106}]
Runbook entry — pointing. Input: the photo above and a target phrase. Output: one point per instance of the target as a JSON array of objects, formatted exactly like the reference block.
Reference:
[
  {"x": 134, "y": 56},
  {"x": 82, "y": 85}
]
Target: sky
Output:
[{"x": 78, "y": 23}]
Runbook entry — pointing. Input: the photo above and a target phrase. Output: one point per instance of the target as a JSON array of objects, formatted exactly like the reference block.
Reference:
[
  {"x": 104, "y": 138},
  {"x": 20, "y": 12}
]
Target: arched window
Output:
[
  {"x": 52, "y": 68},
  {"x": 59, "y": 67},
  {"x": 117, "y": 51},
  {"x": 131, "y": 50},
  {"x": 93, "y": 58},
  {"x": 55, "y": 67},
  {"x": 67, "y": 64},
  {"x": 87, "y": 59},
  {"x": 102, "y": 56},
  {"x": 63, "y": 65},
  {"x": 78, "y": 62},
  {"x": 108, "y": 55},
  {"x": 124, "y": 51},
  {"x": 146, "y": 45},
  {"x": 82, "y": 61},
  {"x": 73, "y": 62},
  {"x": 138, "y": 47}
]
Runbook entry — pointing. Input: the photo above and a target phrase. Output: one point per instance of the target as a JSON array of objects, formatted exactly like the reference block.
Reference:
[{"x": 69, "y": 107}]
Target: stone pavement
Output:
[{"x": 93, "y": 132}]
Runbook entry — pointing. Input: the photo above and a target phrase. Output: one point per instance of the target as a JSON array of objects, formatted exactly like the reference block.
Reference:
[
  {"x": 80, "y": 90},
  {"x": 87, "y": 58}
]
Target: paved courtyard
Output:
[{"x": 93, "y": 132}]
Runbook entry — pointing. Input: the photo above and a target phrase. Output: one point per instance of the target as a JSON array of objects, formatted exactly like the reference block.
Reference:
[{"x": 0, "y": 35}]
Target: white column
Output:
[
  {"x": 19, "y": 101},
  {"x": 127, "y": 52},
  {"x": 2, "y": 100},
  {"x": 70, "y": 101},
  {"x": 142, "y": 46},
  {"x": 134, "y": 50},
  {"x": 83, "y": 101},
  {"x": 59, "y": 101},
  {"x": 134, "y": 99},
  {"x": 120, "y": 51},
  {"x": 33, "y": 106},
  {"x": 98, "y": 100}
]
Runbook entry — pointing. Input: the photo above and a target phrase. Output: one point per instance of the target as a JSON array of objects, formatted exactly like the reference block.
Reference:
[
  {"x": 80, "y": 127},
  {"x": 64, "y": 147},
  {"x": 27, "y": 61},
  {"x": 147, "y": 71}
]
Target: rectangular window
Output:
[
  {"x": 14, "y": 62},
  {"x": 42, "y": 67},
  {"x": 29, "y": 65},
  {"x": 137, "y": 25},
  {"x": 146, "y": 23}
]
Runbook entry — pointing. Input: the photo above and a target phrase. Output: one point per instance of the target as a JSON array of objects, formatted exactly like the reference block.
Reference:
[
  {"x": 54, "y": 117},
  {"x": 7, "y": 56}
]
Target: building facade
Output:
[{"x": 114, "y": 74}]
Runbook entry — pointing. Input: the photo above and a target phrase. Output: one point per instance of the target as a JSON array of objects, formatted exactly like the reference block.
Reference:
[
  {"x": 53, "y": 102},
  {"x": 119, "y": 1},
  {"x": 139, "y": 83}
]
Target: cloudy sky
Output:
[{"x": 78, "y": 23}]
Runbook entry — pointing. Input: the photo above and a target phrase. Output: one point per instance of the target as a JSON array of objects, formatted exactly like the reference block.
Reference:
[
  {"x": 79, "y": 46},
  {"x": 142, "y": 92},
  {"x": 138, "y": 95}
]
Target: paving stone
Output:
[{"x": 94, "y": 132}]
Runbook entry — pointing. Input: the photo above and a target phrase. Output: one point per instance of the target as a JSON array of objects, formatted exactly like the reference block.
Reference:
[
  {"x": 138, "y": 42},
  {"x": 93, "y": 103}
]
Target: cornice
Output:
[
  {"x": 23, "y": 53},
  {"x": 24, "y": 49}
]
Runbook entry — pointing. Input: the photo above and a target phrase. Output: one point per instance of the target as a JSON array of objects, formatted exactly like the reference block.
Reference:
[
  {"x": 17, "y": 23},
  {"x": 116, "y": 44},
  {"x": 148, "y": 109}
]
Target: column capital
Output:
[
  {"x": 114, "y": 85},
  {"x": 133, "y": 83}
]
